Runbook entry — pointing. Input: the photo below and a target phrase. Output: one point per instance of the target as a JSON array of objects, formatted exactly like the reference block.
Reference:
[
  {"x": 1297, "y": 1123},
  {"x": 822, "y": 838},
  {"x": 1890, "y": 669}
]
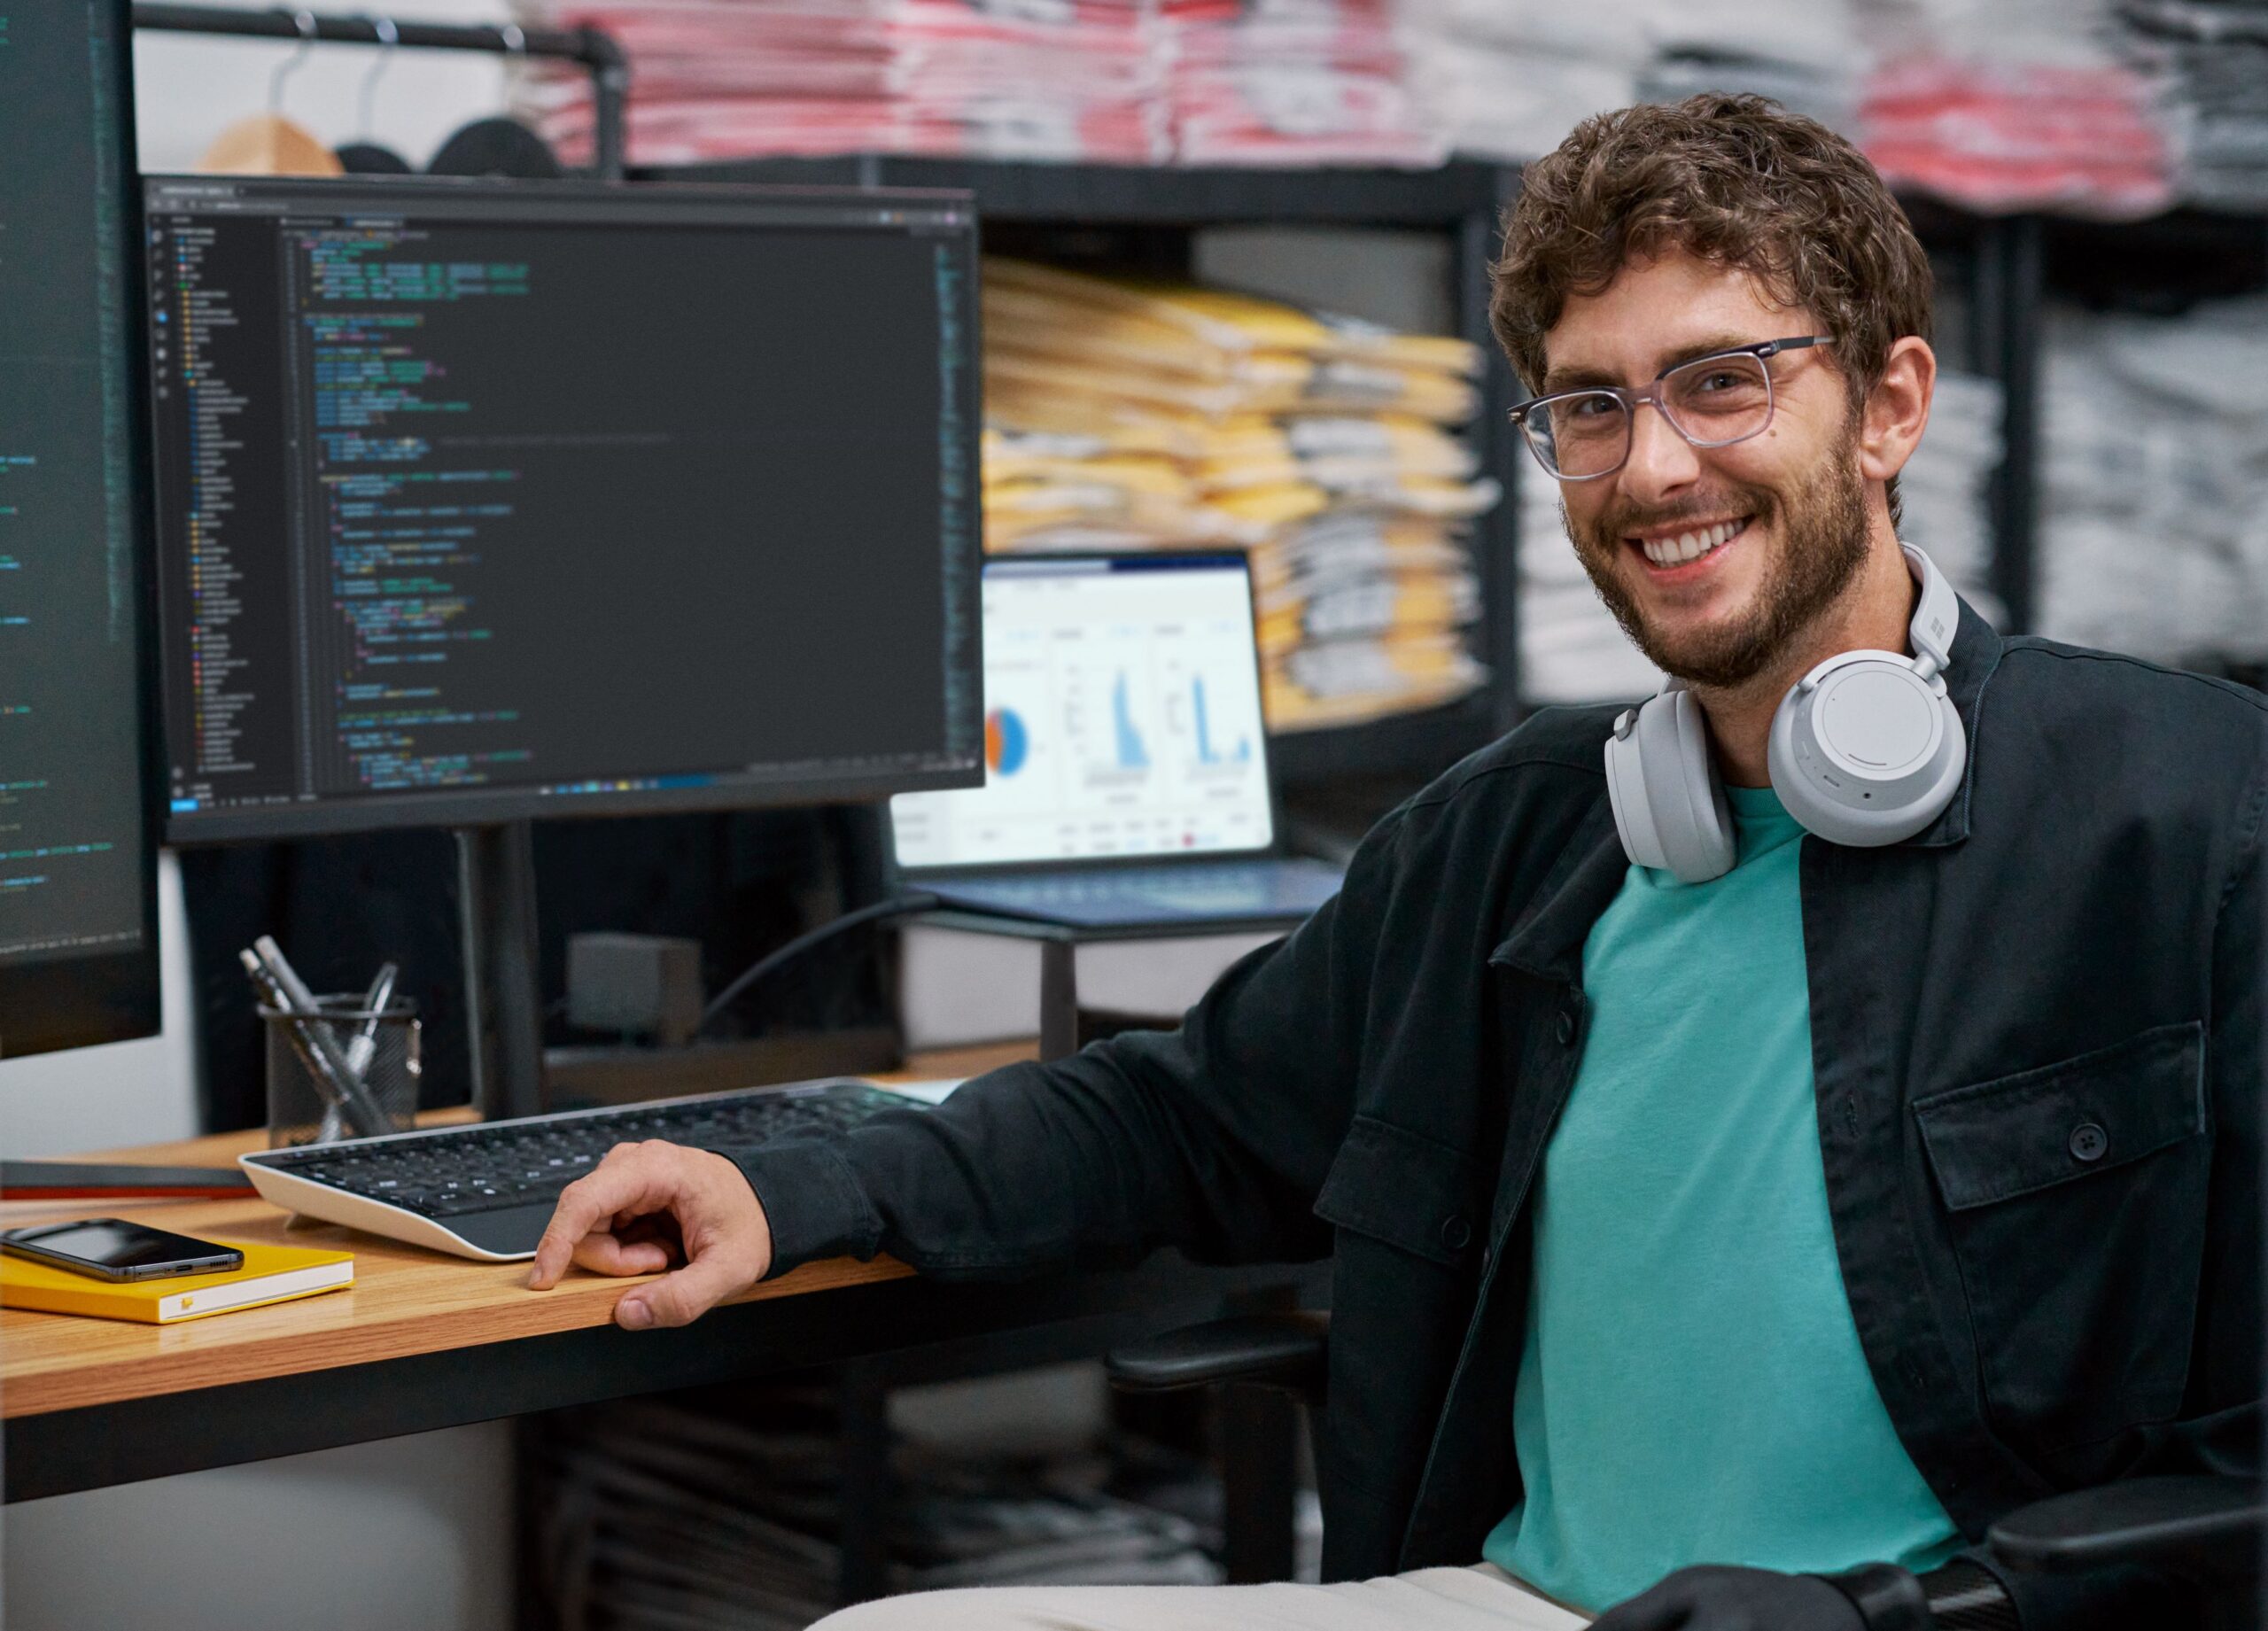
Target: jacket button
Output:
[
  {"x": 2089, "y": 1141},
  {"x": 1456, "y": 1234},
  {"x": 1567, "y": 1026}
]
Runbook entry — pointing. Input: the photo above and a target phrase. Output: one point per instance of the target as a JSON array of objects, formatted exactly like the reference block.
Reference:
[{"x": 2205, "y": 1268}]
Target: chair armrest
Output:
[
  {"x": 1284, "y": 1351},
  {"x": 2210, "y": 1529}
]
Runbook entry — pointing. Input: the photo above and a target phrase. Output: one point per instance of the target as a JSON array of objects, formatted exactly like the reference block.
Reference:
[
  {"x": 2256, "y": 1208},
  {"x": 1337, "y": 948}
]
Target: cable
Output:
[{"x": 896, "y": 906}]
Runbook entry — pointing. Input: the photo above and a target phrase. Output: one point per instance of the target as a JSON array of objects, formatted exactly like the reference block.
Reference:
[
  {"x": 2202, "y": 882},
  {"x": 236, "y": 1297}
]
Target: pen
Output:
[
  {"x": 361, "y": 1108},
  {"x": 263, "y": 984},
  {"x": 373, "y": 1003}
]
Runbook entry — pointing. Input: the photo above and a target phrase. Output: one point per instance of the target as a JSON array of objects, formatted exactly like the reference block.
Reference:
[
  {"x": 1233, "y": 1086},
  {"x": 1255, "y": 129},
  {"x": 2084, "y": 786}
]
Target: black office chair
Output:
[{"x": 2208, "y": 1532}]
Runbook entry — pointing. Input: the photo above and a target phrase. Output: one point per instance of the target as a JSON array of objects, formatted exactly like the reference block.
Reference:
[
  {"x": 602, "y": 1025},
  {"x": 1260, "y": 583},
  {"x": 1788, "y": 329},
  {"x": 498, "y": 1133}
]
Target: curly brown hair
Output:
[{"x": 1735, "y": 180}]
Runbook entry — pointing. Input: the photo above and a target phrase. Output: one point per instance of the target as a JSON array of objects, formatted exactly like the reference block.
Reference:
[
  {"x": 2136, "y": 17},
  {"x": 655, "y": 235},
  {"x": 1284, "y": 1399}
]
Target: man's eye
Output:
[
  {"x": 1591, "y": 407},
  {"x": 1721, "y": 380}
]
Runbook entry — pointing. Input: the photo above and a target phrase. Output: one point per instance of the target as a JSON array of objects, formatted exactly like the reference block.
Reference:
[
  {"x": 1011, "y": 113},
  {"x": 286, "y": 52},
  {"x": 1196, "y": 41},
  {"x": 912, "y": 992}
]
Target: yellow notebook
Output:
[{"x": 270, "y": 1274}]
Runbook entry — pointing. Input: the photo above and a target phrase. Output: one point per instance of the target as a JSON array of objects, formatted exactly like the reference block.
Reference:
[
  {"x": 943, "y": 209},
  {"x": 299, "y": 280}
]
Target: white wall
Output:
[
  {"x": 407, "y": 1535},
  {"x": 126, "y": 1092}
]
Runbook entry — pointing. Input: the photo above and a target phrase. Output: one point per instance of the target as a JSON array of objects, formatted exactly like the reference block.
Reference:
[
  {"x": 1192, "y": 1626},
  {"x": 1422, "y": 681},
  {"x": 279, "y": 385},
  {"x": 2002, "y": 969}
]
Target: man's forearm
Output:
[{"x": 1089, "y": 1161}]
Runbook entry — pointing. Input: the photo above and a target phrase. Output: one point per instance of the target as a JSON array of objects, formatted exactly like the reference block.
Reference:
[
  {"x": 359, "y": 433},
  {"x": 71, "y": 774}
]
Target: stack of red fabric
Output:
[
  {"x": 1068, "y": 79},
  {"x": 2019, "y": 137},
  {"x": 1052, "y": 79},
  {"x": 1125, "y": 81},
  {"x": 1291, "y": 82}
]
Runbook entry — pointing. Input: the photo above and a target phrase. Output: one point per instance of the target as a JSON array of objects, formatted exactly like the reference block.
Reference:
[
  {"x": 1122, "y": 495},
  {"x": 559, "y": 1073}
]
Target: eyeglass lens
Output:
[{"x": 1711, "y": 402}]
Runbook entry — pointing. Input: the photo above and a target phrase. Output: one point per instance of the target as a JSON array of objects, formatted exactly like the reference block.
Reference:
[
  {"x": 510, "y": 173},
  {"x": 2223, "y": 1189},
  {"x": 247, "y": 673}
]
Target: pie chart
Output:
[{"x": 1006, "y": 743}]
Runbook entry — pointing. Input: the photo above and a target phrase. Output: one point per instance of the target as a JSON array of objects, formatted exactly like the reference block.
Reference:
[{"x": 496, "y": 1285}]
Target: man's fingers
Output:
[
  {"x": 681, "y": 1298},
  {"x": 607, "y": 1254},
  {"x": 618, "y": 1184}
]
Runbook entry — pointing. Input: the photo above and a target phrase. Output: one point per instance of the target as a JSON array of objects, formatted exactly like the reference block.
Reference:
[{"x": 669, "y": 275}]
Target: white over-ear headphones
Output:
[{"x": 1866, "y": 750}]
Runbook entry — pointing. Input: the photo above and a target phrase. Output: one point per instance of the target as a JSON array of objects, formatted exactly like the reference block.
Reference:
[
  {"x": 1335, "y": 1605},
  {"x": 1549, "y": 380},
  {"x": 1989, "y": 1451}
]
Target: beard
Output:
[{"x": 1821, "y": 529}]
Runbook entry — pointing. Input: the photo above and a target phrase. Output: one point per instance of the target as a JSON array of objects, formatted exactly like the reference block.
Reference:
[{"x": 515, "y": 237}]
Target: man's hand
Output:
[
  {"x": 1716, "y": 1598},
  {"x": 649, "y": 1205}
]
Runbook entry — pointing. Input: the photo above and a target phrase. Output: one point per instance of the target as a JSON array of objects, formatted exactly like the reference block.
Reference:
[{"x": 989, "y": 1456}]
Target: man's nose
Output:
[{"x": 1660, "y": 462}]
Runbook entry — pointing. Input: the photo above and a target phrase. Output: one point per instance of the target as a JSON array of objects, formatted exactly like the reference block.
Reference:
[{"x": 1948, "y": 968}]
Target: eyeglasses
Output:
[{"x": 1711, "y": 401}]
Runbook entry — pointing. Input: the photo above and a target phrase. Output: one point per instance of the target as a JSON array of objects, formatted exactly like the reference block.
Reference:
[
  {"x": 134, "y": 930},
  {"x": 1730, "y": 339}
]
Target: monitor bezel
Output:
[
  {"x": 835, "y": 782},
  {"x": 1138, "y": 560},
  {"x": 75, "y": 1000}
]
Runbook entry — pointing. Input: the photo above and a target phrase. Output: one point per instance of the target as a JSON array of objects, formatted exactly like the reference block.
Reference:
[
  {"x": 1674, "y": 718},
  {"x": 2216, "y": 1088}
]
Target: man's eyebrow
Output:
[
  {"x": 1579, "y": 378},
  {"x": 1575, "y": 379}
]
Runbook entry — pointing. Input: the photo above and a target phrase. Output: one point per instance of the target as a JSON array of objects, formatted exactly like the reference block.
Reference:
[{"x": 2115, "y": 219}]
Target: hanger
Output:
[
  {"x": 498, "y": 146},
  {"x": 269, "y": 144},
  {"x": 365, "y": 155}
]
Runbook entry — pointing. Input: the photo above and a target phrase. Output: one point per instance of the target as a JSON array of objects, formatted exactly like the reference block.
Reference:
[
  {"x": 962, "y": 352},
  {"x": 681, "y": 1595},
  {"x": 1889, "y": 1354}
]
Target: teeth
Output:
[{"x": 1691, "y": 546}]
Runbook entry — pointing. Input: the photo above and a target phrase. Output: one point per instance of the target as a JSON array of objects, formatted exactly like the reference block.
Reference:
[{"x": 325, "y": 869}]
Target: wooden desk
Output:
[{"x": 425, "y": 1341}]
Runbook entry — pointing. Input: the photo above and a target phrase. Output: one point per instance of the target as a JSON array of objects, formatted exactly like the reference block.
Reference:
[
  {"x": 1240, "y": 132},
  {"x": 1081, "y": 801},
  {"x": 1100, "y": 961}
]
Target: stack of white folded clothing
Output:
[
  {"x": 2215, "y": 56},
  {"x": 1508, "y": 79},
  {"x": 1291, "y": 83},
  {"x": 1070, "y": 79},
  {"x": 1807, "y": 56},
  {"x": 1571, "y": 649},
  {"x": 2153, "y": 506},
  {"x": 1944, "y": 489},
  {"x": 1125, "y": 413}
]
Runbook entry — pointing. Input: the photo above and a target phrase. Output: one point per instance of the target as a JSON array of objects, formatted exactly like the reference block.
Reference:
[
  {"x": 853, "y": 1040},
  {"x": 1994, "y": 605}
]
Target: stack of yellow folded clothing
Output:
[{"x": 1127, "y": 414}]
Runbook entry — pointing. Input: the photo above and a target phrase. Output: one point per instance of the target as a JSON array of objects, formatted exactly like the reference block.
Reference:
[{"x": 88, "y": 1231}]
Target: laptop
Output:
[{"x": 1126, "y": 770}]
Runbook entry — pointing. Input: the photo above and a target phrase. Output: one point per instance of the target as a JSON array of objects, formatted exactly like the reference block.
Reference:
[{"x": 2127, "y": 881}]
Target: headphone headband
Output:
[{"x": 1937, "y": 615}]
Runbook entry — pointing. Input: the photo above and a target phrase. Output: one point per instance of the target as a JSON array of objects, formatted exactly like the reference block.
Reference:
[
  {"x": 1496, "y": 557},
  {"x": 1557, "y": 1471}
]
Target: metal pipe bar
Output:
[{"x": 593, "y": 47}]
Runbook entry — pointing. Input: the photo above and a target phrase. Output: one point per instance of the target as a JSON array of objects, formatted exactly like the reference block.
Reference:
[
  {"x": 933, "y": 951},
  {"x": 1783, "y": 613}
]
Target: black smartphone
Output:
[{"x": 111, "y": 1248}]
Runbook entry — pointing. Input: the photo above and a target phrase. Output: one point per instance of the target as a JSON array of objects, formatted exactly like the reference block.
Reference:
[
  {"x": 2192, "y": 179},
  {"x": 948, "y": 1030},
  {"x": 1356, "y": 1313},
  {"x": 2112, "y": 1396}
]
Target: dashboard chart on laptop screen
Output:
[{"x": 1122, "y": 718}]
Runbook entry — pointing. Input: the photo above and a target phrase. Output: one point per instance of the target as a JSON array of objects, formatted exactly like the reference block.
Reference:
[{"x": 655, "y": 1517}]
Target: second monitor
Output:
[{"x": 483, "y": 502}]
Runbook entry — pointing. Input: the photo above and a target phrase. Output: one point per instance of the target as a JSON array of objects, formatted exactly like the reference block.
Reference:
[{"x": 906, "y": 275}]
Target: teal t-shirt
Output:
[{"x": 1691, "y": 1389}]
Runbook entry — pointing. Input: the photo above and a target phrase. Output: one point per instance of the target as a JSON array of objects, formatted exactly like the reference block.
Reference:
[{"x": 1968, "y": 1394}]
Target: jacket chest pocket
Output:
[
  {"x": 1401, "y": 1189},
  {"x": 2076, "y": 1195}
]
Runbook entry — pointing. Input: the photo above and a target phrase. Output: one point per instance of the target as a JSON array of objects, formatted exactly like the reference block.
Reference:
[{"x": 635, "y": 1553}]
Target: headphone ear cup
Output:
[
  {"x": 1626, "y": 792},
  {"x": 1668, "y": 808},
  {"x": 1865, "y": 752}
]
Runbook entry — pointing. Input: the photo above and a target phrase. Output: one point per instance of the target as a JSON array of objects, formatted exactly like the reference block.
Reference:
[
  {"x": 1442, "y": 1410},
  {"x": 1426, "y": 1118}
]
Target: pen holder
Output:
[{"x": 304, "y": 1105}]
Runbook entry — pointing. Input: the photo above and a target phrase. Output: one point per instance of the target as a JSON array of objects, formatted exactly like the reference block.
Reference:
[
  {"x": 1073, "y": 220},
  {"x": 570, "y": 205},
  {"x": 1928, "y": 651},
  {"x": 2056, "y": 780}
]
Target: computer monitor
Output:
[
  {"x": 78, "y": 902},
  {"x": 482, "y": 502}
]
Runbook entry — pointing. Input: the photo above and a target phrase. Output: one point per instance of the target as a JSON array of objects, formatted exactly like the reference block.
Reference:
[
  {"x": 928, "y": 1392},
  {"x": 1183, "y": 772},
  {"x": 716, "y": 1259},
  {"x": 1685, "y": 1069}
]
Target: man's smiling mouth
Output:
[{"x": 1681, "y": 547}]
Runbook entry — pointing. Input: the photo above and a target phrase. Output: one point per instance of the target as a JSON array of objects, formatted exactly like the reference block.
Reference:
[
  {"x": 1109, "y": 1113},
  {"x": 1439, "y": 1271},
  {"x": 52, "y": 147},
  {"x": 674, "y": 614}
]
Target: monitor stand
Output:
[{"x": 503, "y": 1001}]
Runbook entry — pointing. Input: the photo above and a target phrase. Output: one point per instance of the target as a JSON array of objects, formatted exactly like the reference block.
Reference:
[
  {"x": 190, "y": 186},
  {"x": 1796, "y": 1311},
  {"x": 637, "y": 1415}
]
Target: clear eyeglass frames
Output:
[{"x": 1711, "y": 401}]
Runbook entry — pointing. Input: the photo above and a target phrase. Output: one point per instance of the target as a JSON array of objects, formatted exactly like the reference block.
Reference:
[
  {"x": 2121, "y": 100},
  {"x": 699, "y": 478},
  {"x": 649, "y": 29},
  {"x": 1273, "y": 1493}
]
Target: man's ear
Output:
[{"x": 1896, "y": 410}]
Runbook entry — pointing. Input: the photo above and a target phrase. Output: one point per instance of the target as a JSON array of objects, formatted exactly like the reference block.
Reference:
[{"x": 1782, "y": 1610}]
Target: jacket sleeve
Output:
[
  {"x": 1213, "y": 1138},
  {"x": 2220, "y": 1429}
]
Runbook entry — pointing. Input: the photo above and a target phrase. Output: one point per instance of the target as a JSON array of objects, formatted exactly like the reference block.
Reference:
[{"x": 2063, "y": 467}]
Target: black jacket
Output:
[{"x": 2037, "y": 1035}]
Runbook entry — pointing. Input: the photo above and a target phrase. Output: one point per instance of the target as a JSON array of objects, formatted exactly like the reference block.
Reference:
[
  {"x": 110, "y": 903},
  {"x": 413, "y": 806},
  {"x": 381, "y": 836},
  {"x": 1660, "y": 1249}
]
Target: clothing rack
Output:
[{"x": 593, "y": 47}]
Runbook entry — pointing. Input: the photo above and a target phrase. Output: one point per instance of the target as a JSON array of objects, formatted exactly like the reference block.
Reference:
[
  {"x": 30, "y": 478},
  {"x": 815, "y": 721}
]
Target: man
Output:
[{"x": 1732, "y": 1250}]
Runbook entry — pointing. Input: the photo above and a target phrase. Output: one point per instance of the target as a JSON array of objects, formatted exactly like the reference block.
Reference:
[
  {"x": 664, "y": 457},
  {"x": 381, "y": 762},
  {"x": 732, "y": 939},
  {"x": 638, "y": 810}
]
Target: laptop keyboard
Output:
[{"x": 459, "y": 1170}]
